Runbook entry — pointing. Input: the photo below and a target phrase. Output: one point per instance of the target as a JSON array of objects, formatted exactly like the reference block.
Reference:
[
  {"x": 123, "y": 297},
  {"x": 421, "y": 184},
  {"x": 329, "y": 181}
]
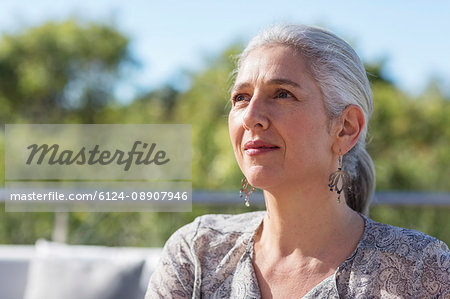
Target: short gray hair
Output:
[{"x": 343, "y": 81}]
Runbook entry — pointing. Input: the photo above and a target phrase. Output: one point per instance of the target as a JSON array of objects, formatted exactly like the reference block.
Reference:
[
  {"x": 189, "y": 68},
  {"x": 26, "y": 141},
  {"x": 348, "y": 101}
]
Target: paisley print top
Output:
[{"x": 212, "y": 258}]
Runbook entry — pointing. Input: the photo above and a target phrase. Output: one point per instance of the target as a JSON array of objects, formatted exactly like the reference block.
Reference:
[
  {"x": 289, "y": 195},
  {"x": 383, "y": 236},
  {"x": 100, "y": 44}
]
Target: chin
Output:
[{"x": 262, "y": 178}]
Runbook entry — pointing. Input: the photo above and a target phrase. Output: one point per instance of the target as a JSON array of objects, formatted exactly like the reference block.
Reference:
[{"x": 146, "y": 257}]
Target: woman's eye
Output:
[
  {"x": 283, "y": 94},
  {"x": 240, "y": 98}
]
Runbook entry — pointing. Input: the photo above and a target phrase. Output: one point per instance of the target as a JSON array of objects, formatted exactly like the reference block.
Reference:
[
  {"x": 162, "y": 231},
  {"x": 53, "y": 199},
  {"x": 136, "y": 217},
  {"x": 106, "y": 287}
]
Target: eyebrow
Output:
[{"x": 276, "y": 81}]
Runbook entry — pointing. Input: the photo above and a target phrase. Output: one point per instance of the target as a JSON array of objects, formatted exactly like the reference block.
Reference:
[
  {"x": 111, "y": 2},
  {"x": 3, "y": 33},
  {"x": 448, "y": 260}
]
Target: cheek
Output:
[{"x": 309, "y": 137}]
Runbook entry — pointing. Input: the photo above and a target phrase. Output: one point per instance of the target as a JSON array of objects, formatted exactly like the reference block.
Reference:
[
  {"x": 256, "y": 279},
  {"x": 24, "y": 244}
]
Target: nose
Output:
[{"x": 256, "y": 114}]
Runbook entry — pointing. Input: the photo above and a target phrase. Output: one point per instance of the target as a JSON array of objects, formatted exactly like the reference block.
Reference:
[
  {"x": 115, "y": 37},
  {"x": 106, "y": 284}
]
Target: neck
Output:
[{"x": 307, "y": 223}]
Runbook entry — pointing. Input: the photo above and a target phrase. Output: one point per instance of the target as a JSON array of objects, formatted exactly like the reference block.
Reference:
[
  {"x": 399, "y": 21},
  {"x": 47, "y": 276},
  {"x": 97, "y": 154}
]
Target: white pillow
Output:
[{"x": 61, "y": 271}]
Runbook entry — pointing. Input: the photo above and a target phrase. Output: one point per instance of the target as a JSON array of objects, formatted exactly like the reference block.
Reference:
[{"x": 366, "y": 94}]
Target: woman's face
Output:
[{"x": 278, "y": 123}]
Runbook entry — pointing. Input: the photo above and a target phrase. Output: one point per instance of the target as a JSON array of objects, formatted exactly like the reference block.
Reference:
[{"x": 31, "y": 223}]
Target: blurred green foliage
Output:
[
  {"x": 410, "y": 139},
  {"x": 60, "y": 71},
  {"x": 66, "y": 73}
]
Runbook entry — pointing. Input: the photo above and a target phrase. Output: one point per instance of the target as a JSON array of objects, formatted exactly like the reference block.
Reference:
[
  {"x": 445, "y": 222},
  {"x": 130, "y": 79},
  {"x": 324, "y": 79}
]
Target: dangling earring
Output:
[
  {"x": 247, "y": 189},
  {"x": 339, "y": 179}
]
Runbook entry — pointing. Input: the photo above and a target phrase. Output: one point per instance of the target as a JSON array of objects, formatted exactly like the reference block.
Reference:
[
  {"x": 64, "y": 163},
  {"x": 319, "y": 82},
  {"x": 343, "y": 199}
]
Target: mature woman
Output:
[{"x": 298, "y": 123}]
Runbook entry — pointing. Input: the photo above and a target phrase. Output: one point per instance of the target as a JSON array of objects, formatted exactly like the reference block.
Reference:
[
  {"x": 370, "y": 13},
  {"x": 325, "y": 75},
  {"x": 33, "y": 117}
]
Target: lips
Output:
[{"x": 257, "y": 147}]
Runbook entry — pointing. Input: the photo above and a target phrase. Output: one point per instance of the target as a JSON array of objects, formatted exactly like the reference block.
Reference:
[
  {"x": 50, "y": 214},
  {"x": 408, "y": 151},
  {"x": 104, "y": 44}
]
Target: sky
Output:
[{"x": 171, "y": 36}]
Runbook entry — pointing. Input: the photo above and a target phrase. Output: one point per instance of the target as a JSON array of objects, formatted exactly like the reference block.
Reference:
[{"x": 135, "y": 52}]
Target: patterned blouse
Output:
[{"x": 212, "y": 258}]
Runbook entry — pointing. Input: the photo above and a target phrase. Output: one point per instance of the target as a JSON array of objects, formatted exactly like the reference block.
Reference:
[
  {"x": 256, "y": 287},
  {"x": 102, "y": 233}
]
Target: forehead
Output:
[{"x": 276, "y": 62}]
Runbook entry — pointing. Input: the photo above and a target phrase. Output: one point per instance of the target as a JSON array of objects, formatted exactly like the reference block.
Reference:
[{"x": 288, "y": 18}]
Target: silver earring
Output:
[
  {"x": 247, "y": 189},
  {"x": 339, "y": 180}
]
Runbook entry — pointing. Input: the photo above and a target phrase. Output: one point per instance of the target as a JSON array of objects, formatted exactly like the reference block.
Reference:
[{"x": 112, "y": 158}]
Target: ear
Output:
[{"x": 347, "y": 129}]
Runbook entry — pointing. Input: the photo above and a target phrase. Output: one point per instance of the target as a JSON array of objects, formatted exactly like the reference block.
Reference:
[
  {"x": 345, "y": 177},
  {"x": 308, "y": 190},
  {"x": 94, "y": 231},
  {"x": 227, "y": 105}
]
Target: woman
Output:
[{"x": 300, "y": 106}]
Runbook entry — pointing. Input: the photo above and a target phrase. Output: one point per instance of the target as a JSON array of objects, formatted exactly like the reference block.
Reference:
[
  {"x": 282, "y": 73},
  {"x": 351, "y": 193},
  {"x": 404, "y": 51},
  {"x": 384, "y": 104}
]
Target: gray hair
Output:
[{"x": 343, "y": 81}]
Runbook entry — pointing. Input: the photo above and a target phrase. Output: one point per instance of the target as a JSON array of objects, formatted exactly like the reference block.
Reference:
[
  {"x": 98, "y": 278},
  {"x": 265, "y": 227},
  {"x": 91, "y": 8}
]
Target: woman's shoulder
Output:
[
  {"x": 202, "y": 254},
  {"x": 404, "y": 242},
  {"x": 224, "y": 223},
  {"x": 399, "y": 262},
  {"x": 421, "y": 259},
  {"x": 220, "y": 225}
]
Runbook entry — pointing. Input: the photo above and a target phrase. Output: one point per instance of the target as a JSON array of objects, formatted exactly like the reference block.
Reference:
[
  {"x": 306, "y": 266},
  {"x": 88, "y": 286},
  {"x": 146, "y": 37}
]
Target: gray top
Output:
[{"x": 212, "y": 258}]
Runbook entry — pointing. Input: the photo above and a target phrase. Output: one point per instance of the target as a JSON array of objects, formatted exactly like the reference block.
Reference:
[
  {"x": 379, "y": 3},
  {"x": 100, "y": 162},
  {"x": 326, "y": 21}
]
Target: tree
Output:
[
  {"x": 154, "y": 107},
  {"x": 60, "y": 69},
  {"x": 409, "y": 140}
]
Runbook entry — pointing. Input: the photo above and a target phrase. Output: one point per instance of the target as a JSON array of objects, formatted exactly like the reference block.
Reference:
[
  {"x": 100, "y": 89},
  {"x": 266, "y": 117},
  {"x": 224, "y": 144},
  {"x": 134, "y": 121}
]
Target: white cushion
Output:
[
  {"x": 75, "y": 271},
  {"x": 14, "y": 264}
]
